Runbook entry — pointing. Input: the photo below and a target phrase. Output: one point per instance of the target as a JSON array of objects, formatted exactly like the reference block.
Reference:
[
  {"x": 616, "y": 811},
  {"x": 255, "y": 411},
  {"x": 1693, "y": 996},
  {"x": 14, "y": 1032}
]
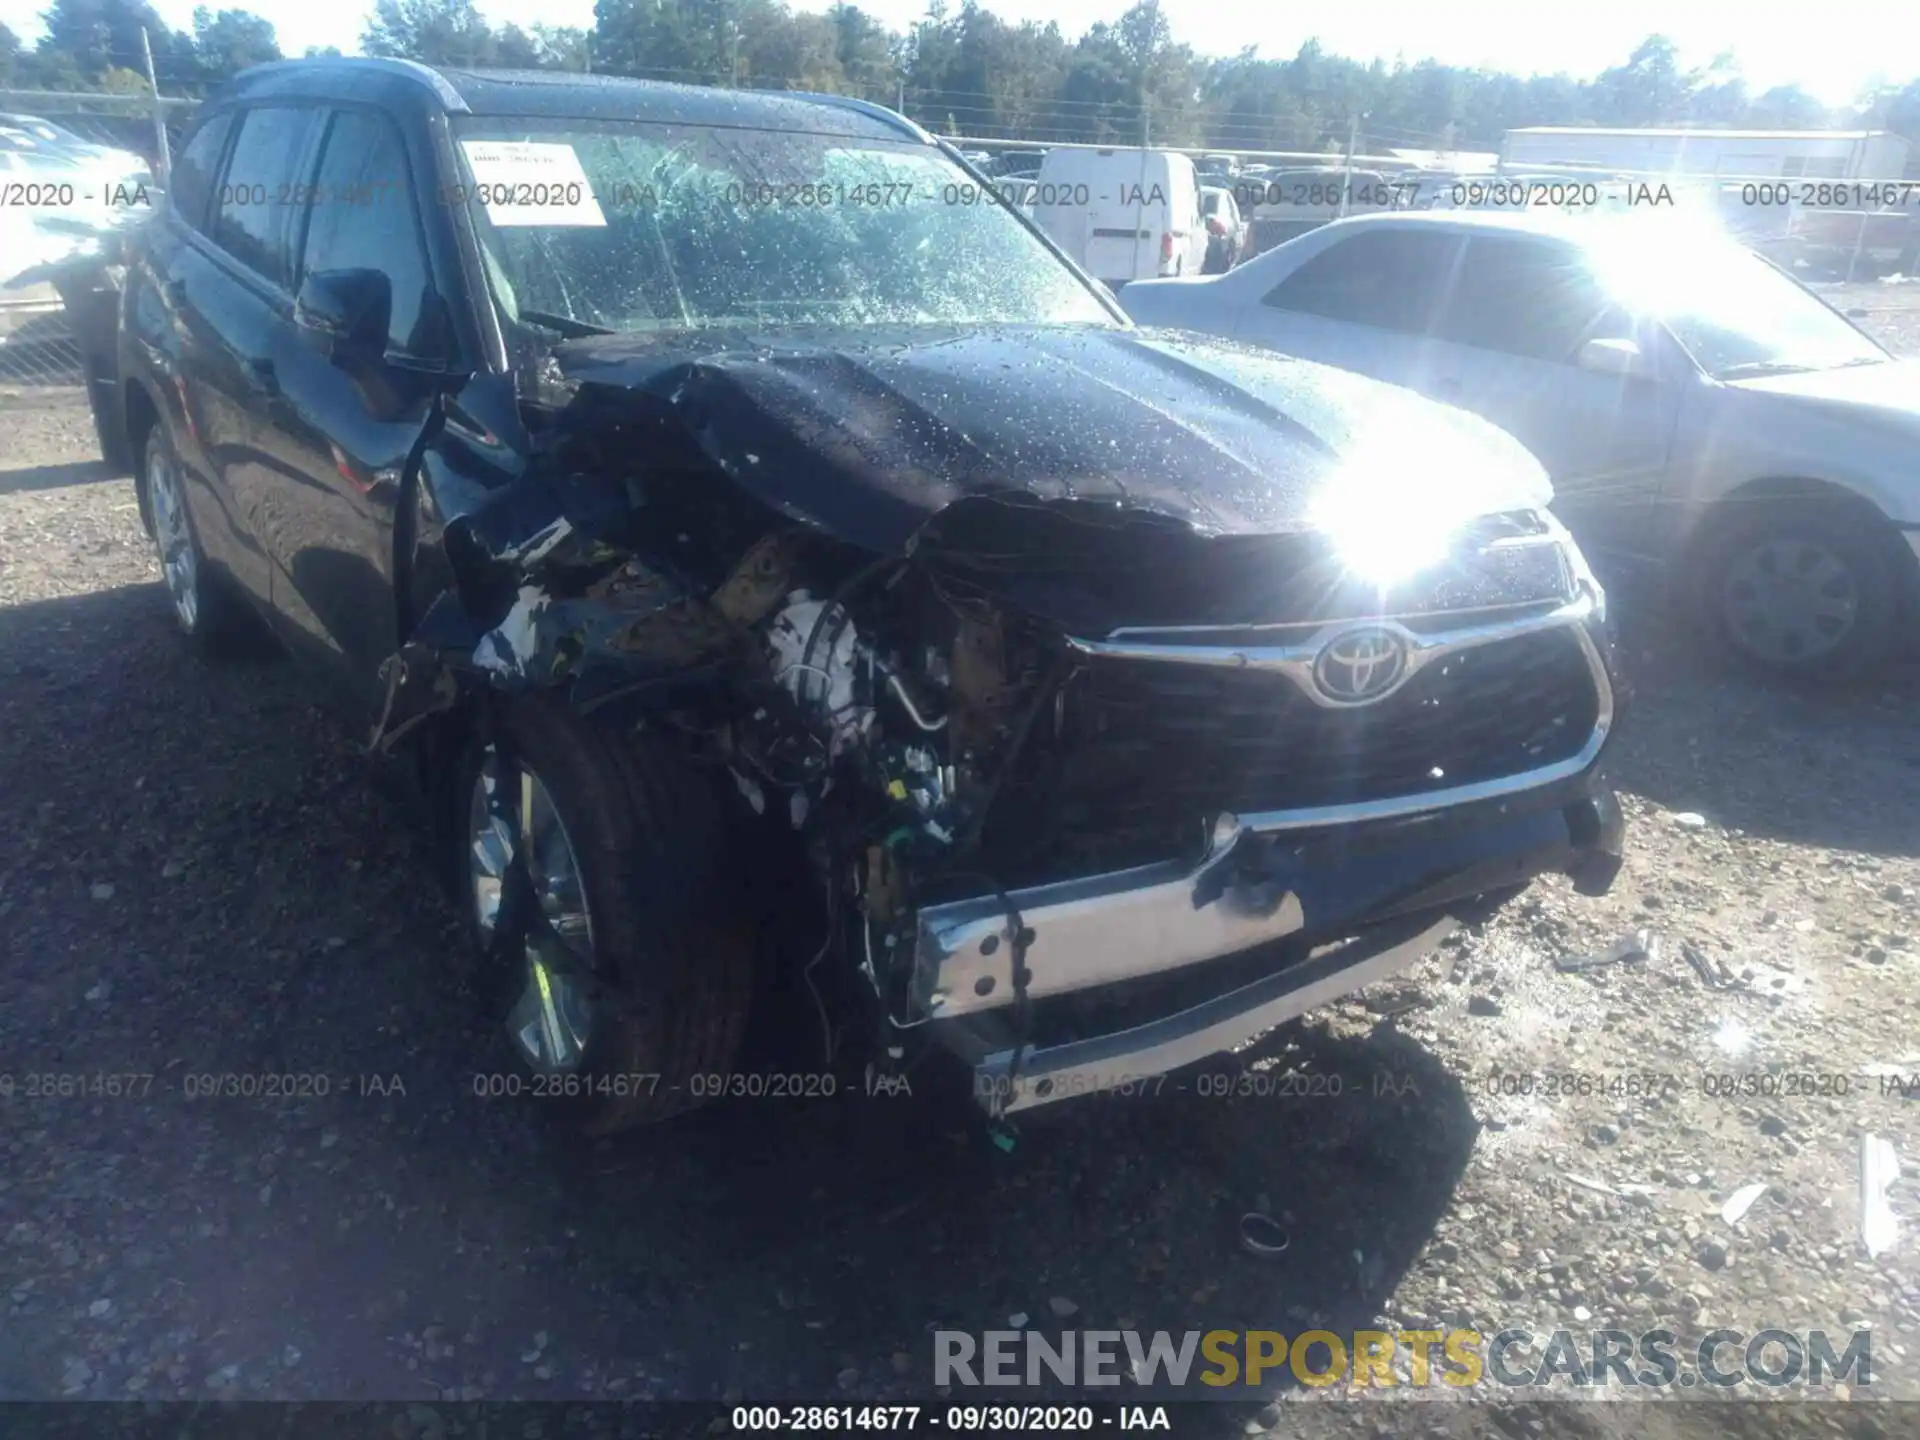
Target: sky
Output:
[{"x": 1851, "y": 43}]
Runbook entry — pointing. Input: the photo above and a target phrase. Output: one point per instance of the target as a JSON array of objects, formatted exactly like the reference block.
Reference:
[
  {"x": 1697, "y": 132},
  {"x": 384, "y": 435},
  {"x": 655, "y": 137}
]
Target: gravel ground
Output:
[{"x": 196, "y": 879}]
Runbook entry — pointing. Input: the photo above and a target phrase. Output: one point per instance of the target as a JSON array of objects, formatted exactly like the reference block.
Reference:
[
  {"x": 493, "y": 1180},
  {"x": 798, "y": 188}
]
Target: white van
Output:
[{"x": 1123, "y": 214}]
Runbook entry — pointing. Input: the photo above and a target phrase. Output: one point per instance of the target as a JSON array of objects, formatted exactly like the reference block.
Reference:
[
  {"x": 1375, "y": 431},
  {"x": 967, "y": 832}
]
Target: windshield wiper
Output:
[
  {"x": 568, "y": 326},
  {"x": 1762, "y": 367}
]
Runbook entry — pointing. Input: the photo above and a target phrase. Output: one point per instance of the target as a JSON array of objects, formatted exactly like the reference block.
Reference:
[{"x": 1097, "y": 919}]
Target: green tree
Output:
[
  {"x": 435, "y": 32},
  {"x": 515, "y": 49},
  {"x": 1787, "y": 107},
  {"x": 1650, "y": 89},
  {"x": 1887, "y": 107},
  {"x": 561, "y": 47},
  {"x": 640, "y": 37},
  {"x": 118, "y": 80},
  {"x": 226, "y": 43},
  {"x": 86, "y": 38},
  {"x": 1720, "y": 94},
  {"x": 865, "y": 52},
  {"x": 9, "y": 54}
]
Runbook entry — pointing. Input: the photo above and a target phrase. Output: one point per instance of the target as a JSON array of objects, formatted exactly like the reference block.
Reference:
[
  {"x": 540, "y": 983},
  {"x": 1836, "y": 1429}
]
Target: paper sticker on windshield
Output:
[{"x": 526, "y": 182}]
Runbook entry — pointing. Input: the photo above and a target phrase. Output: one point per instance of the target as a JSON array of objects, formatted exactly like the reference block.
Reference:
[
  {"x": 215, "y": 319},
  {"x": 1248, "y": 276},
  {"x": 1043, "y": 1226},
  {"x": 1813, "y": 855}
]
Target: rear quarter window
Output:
[
  {"x": 255, "y": 219},
  {"x": 195, "y": 167},
  {"x": 1389, "y": 279}
]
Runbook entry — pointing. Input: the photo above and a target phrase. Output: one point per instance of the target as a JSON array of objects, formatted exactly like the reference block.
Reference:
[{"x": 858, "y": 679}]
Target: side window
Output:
[
  {"x": 1528, "y": 297},
  {"x": 1392, "y": 279},
  {"x": 252, "y": 220},
  {"x": 194, "y": 168},
  {"x": 364, "y": 219}
]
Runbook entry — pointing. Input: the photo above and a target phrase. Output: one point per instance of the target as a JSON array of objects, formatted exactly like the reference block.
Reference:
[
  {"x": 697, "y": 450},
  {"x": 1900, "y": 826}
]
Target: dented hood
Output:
[{"x": 867, "y": 434}]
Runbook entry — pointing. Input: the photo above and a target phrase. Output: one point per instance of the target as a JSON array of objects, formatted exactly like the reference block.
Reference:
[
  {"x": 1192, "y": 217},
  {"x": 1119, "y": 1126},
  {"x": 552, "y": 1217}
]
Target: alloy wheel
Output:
[
  {"x": 551, "y": 1021},
  {"x": 172, "y": 539}
]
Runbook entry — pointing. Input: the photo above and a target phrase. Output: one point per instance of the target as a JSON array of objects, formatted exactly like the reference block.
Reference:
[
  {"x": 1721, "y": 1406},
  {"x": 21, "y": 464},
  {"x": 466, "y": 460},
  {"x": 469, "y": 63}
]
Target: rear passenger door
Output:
[
  {"x": 166, "y": 327},
  {"x": 245, "y": 302},
  {"x": 1366, "y": 303},
  {"x": 349, "y": 428}
]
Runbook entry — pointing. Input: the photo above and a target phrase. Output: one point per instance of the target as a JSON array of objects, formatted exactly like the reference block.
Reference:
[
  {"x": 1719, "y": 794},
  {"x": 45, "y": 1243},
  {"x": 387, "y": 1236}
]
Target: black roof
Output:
[{"x": 564, "y": 93}]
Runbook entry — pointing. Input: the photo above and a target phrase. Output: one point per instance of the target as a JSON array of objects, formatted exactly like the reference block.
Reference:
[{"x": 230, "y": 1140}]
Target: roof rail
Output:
[
  {"x": 411, "y": 69},
  {"x": 865, "y": 107}
]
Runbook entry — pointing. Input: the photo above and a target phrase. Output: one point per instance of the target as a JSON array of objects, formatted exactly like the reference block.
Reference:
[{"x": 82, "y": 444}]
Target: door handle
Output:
[{"x": 263, "y": 374}]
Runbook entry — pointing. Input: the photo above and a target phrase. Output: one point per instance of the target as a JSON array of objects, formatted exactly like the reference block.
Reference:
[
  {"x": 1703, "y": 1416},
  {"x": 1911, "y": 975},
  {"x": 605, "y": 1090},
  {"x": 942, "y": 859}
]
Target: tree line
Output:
[{"x": 966, "y": 71}]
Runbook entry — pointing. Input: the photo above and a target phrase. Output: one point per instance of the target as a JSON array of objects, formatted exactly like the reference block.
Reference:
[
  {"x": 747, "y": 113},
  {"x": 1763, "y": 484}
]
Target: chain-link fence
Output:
[
  {"x": 68, "y": 163},
  {"x": 37, "y": 346}
]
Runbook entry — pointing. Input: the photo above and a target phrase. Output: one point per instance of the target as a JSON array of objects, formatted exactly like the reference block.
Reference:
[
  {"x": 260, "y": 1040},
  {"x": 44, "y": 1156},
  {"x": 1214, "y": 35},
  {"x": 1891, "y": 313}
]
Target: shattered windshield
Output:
[{"x": 597, "y": 225}]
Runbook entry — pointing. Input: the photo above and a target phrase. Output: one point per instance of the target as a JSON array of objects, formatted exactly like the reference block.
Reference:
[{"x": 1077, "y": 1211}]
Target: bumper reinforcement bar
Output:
[{"x": 1109, "y": 1062}]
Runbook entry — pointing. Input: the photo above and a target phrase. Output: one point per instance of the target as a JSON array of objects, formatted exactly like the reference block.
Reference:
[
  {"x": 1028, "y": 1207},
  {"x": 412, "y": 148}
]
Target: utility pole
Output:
[
  {"x": 1346, "y": 179},
  {"x": 163, "y": 157}
]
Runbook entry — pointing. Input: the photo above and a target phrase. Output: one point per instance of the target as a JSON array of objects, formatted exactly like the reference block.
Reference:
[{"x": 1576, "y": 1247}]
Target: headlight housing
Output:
[{"x": 1584, "y": 580}]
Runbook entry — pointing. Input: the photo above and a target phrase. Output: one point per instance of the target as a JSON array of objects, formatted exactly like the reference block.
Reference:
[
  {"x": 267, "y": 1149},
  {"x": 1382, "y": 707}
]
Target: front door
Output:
[
  {"x": 1506, "y": 346},
  {"x": 351, "y": 427}
]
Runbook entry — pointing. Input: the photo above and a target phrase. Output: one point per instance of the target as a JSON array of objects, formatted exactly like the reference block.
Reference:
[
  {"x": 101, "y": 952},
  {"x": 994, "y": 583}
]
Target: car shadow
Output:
[
  {"x": 1823, "y": 765},
  {"x": 266, "y": 911},
  {"x": 55, "y": 477},
  {"x": 885, "y": 1219}
]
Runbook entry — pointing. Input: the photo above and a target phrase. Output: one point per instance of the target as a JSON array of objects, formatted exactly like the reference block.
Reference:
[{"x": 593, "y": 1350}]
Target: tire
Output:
[
  {"x": 205, "y": 610},
  {"x": 670, "y": 946},
  {"x": 1806, "y": 591}
]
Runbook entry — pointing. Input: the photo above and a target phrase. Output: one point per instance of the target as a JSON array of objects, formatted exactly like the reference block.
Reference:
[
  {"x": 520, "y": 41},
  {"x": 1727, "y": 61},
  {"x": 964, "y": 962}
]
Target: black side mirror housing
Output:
[{"x": 347, "y": 311}]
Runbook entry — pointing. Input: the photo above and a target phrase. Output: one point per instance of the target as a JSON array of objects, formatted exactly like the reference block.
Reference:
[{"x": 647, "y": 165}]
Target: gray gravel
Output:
[{"x": 196, "y": 879}]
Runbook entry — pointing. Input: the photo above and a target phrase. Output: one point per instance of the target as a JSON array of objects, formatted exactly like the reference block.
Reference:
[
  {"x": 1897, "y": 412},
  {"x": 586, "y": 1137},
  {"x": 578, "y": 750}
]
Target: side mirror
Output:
[
  {"x": 347, "y": 311},
  {"x": 1615, "y": 357}
]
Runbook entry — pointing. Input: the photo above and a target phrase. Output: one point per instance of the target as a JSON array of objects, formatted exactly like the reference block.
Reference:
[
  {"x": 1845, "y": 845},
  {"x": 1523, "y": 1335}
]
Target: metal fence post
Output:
[{"x": 162, "y": 156}]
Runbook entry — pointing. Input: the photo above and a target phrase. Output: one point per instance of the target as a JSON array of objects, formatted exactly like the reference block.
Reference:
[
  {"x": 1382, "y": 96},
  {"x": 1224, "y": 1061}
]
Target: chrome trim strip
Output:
[
  {"x": 1093, "y": 931},
  {"x": 1296, "y": 661},
  {"x": 1220, "y": 1025},
  {"x": 1316, "y": 622},
  {"x": 1100, "y": 929}
]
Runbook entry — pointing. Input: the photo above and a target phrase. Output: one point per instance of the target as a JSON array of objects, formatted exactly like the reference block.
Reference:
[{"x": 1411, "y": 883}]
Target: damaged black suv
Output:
[{"x": 787, "y": 575}]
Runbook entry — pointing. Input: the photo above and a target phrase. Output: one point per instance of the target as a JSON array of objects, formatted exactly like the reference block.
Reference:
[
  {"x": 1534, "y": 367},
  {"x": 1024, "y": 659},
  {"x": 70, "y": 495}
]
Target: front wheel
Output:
[
  {"x": 600, "y": 892},
  {"x": 1804, "y": 591}
]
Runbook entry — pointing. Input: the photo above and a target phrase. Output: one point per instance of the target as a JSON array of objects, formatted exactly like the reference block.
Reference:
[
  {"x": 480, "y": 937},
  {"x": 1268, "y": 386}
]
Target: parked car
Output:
[
  {"x": 35, "y": 149},
  {"x": 840, "y": 596},
  {"x": 1283, "y": 204},
  {"x": 1226, "y": 229},
  {"x": 1697, "y": 409},
  {"x": 1123, "y": 215},
  {"x": 60, "y": 194}
]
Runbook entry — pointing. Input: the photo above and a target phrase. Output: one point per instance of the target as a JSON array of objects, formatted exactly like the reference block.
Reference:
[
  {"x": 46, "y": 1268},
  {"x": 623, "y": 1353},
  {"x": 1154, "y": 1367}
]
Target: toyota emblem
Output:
[{"x": 1360, "y": 666}]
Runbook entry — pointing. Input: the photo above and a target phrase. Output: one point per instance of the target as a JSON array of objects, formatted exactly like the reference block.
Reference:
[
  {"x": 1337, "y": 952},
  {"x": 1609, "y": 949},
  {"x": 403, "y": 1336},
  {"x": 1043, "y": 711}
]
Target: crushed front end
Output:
[{"x": 1087, "y": 791}]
